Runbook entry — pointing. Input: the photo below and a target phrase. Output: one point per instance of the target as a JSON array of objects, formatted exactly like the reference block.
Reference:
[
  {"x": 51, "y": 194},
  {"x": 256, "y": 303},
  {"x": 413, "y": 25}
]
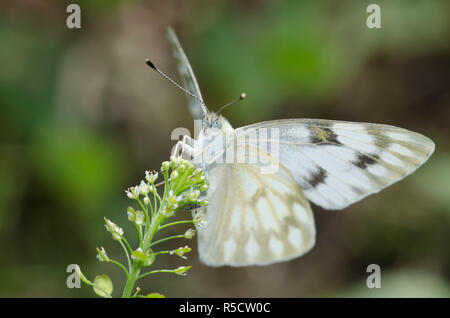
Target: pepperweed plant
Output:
[{"x": 182, "y": 187}]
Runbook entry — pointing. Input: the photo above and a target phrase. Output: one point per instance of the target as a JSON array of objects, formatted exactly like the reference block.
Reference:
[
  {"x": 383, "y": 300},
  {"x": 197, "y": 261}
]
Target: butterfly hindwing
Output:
[
  {"x": 338, "y": 163},
  {"x": 254, "y": 218}
]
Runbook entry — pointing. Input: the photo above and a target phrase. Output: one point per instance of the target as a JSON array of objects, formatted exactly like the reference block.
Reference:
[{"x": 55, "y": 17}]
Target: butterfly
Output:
[{"x": 259, "y": 218}]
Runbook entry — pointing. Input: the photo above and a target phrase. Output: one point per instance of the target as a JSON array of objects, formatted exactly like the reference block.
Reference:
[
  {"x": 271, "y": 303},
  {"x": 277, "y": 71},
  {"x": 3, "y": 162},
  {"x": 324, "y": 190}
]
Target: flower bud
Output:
[
  {"x": 131, "y": 214},
  {"x": 101, "y": 255},
  {"x": 115, "y": 230},
  {"x": 181, "y": 251},
  {"x": 81, "y": 275},
  {"x": 182, "y": 270},
  {"x": 145, "y": 259},
  {"x": 204, "y": 187},
  {"x": 151, "y": 177},
  {"x": 140, "y": 217},
  {"x": 175, "y": 161},
  {"x": 189, "y": 234},
  {"x": 174, "y": 175},
  {"x": 144, "y": 188},
  {"x": 165, "y": 166},
  {"x": 133, "y": 192}
]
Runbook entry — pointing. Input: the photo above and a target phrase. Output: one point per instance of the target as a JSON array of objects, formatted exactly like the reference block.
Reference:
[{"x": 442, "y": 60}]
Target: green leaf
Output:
[{"x": 104, "y": 286}]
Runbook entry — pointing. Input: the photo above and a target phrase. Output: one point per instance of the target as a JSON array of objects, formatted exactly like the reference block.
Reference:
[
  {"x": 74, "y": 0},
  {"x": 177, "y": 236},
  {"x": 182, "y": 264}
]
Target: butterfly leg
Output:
[{"x": 184, "y": 148}]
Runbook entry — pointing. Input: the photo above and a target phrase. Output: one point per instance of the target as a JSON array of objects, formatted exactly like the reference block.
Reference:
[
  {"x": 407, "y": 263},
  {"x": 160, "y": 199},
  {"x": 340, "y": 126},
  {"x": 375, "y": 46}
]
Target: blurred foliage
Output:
[{"x": 82, "y": 118}]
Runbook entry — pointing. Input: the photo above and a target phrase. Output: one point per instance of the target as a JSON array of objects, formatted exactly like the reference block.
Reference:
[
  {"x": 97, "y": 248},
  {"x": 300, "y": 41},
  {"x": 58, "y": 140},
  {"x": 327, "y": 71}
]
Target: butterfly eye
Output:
[{"x": 216, "y": 124}]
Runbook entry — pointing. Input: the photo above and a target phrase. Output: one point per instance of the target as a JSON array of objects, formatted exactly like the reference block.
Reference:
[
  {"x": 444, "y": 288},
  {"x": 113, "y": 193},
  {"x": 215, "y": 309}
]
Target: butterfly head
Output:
[{"x": 216, "y": 121}]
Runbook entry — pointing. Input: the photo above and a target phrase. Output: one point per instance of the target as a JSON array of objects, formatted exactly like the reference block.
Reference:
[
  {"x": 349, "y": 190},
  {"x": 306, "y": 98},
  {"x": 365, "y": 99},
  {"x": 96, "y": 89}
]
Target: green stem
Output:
[
  {"x": 120, "y": 265},
  {"x": 175, "y": 223},
  {"x": 132, "y": 277},
  {"x": 166, "y": 239},
  {"x": 126, "y": 253},
  {"x": 139, "y": 230},
  {"x": 147, "y": 218},
  {"x": 157, "y": 271}
]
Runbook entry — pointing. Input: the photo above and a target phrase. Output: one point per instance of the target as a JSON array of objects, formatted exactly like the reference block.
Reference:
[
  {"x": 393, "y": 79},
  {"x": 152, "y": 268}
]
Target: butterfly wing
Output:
[
  {"x": 252, "y": 218},
  {"x": 338, "y": 163},
  {"x": 198, "y": 111}
]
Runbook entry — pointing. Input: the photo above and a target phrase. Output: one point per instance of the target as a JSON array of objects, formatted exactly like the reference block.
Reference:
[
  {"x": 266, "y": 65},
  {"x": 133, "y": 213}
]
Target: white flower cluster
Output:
[{"x": 144, "y": 188}]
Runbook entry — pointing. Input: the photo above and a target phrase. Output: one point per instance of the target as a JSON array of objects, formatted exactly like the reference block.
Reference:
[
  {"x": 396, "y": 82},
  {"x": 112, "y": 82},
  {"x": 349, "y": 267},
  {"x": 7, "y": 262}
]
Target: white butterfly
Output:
[{"x": 255, "y": 218}]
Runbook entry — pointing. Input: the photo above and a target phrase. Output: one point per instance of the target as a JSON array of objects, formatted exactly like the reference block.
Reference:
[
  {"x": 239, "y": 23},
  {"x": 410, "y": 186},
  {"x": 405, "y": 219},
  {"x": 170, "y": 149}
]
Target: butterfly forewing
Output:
[
  {"x": 196, "y": 109},
  {"x": 338, "y": 163}
]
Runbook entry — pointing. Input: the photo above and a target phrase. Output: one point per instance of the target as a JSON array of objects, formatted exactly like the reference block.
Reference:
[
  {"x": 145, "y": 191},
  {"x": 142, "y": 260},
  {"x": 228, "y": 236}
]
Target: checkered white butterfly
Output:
[{"x": 256, "y": 218}]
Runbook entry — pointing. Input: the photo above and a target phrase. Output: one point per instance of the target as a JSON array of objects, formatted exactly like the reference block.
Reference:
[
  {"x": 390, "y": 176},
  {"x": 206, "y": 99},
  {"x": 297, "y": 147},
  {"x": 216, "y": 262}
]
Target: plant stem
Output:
[
  {"x": 134, "y": 272},
  {"x": 132, "y": 277},
  {"x": 167, "y": 238}
]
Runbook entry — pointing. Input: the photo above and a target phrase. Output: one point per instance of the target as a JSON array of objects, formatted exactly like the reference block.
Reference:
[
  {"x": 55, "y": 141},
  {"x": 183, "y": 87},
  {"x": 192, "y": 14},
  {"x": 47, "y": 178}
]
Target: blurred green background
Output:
[{"x": 82, "y": 118}]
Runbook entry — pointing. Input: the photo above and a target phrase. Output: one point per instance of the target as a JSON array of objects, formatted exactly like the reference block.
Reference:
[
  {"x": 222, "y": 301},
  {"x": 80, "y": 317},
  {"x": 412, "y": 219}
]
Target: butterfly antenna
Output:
[
  {"x": 241, "y": 97},
  {"x": 149, "y": 63}
]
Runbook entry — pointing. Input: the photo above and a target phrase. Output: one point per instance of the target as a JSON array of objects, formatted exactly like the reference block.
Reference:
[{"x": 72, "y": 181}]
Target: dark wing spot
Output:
[
  {"x": 315, "y": 140},
  {"x": 332, "y": 137},
  {"x": 362, "y": 161},
  {"x": 317, "y": 177},
  {"x": 323, "y": 136}
]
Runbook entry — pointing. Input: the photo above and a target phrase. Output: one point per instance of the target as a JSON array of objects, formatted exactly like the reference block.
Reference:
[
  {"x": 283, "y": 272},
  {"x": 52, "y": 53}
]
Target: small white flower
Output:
[
  {"x": 167, "y": 212},
  {"x": 131, "y": 193},
  {"x": 151, "y": 177},
  {"x": 146, "y": 200},
  {"x": 172, "y": 201},
  {"x": 144, "y": 188},
  {"x": 135, "y": 192}
]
